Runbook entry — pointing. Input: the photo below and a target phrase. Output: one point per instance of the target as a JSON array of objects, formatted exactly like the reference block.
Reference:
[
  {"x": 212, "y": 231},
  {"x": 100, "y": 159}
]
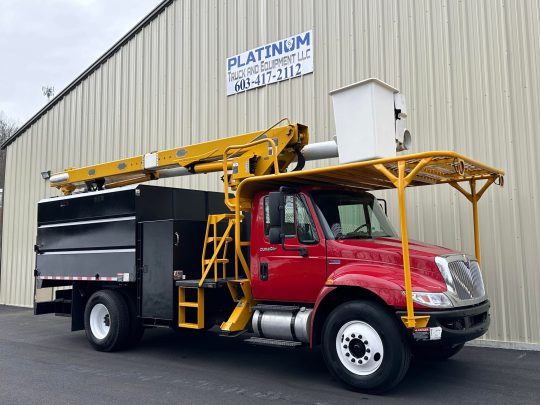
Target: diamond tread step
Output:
[
  {"x": 272, "y": 342},
  {"x": 271, "y": 307},
  {"x": 208, "y": 283}
]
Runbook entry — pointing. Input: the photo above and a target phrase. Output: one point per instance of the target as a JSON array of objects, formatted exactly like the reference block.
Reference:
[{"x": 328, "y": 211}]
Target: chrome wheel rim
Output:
[
  {"x": 100, "y": 321},
  {"x": 359, "y": 347}
]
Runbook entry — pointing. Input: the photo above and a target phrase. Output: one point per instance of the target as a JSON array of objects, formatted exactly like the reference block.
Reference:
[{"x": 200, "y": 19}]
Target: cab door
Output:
[{"x": 288, "y": 275}]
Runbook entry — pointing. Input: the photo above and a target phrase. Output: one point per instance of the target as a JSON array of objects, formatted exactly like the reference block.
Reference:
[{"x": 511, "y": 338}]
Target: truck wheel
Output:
[
  {"x": 362, "y": 346},
  {"x": 106, "y": 320},
  {"x": 437, "y": 353}
]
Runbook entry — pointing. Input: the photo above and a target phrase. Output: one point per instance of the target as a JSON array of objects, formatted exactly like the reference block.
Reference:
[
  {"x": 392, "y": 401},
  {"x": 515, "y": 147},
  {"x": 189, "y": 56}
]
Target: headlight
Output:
[
  {"x": 434, "y": 300},
  {"x": 442, "y": 264}
]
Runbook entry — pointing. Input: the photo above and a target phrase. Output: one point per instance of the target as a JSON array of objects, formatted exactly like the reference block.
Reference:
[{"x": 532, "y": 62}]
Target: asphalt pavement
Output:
[{"x": 42, "y": 362}]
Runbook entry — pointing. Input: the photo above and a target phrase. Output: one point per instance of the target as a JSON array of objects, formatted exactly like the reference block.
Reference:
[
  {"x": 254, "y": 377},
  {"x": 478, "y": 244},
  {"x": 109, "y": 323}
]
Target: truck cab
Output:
[{"x": 337, "y": 253}]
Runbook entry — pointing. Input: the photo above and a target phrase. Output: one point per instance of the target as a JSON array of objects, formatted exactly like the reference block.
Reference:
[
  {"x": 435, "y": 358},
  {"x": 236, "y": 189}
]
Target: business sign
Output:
[{"x": 281, "y": 60}]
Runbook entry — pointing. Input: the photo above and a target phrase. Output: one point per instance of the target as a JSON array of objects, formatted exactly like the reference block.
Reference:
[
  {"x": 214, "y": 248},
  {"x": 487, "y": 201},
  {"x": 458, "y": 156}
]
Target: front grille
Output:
[{"x": 467, "y": 279}]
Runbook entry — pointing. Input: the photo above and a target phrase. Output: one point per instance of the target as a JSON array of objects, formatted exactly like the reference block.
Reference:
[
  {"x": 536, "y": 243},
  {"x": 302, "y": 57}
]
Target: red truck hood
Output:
[
  {"x": 416, "y": 249},
  {"x": 387, "y": 251}
]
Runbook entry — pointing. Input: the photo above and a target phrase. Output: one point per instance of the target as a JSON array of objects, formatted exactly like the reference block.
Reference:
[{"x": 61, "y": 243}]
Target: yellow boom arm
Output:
[{"x": 251, "y": 154}]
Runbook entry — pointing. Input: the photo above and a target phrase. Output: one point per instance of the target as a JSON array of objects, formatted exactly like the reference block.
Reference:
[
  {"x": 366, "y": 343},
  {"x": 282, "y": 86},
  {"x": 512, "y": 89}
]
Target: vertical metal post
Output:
[
  {"x": 236, "y": 239},
  {"x": 200, "y": 308},
  {"x": 474, "y": 201},
  {"x": 473, "y": 197},
  {"x": 181, "y": 308},
  {"x": 401, "y": 182},
  {"x": 410, "y": 321},
  {"x": 215, "y": 248}
]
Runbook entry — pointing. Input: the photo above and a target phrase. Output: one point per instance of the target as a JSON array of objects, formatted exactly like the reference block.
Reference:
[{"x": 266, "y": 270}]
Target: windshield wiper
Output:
[{"x": 355, "y": 236}]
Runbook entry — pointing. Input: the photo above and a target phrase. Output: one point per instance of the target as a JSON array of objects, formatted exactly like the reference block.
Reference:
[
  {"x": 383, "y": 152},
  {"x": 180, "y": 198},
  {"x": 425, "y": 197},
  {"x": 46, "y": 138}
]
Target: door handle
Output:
[{"x": 263, "y": 271}]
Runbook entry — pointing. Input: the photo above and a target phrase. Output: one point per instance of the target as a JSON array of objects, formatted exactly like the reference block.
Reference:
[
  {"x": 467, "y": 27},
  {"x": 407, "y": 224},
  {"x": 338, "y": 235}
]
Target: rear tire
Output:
[
  {"x": 107, "y": 320},
  {"x": 437, "y": 353},
  {"x": 363, "y": 347}
]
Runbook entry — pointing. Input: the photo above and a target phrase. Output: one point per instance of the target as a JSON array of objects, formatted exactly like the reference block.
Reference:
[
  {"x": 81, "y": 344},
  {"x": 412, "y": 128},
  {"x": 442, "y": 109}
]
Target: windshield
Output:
[{"x": 351, "y": 215}]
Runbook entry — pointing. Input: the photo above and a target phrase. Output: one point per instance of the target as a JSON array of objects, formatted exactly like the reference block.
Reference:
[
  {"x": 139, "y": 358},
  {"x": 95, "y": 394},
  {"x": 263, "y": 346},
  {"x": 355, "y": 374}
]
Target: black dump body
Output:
[{"x": 134, "y": 237}]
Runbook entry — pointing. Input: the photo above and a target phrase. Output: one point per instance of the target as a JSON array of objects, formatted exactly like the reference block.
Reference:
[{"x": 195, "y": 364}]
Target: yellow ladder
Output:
[
  {"x": 220, "y": 243},
  {"x": 240, "y": 288},
  {"x": 183, "y": 305}
]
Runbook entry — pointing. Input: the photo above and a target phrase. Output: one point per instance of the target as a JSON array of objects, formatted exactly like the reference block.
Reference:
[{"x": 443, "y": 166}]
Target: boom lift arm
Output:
[{"x": 246, "y": 155}]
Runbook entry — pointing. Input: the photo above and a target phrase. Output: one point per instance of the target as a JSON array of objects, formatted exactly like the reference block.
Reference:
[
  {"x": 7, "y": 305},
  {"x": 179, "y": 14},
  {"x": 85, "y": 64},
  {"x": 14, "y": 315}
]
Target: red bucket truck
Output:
[{"x": 280, "y": 258}]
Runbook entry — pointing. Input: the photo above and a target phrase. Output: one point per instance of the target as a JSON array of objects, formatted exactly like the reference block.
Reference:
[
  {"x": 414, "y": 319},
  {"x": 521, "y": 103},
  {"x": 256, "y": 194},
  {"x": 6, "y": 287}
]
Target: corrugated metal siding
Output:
[{"x": 470, "y": 70}]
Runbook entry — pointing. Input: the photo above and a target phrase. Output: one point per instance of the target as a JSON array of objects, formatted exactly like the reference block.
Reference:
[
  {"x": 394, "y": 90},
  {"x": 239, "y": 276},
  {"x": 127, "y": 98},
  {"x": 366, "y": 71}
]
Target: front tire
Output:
[
  {"x": 363, "y": 347},
  {"x": 107, "y": 321}
]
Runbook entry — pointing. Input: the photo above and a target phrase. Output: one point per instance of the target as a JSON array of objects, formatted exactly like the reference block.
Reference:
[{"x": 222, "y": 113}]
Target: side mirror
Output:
[
  {"x": 275, "y": 236},
  {"x": 276, "y": 201},
  {"x": 276, "y": 208},
  {"x": 276, "y": 212}
]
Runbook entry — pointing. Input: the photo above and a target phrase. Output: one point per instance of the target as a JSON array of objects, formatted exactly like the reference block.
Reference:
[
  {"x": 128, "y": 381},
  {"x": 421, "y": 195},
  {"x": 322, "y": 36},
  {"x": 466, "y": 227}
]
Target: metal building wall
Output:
[{"x": 469, "y": 69}]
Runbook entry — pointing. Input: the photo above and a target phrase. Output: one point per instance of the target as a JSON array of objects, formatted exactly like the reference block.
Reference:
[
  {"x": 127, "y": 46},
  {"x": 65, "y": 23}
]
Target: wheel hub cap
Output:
[
  {"x": 359, "y": 348},
  {"x": 100, "y": 321}
]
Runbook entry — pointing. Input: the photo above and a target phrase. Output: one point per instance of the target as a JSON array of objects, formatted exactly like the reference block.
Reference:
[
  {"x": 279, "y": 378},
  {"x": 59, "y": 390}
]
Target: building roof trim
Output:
[{"x": 93, "y": 67}]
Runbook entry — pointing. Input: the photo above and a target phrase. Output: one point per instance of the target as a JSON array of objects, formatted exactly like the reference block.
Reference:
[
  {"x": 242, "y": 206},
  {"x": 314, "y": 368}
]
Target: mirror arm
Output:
[{"x": 302, "y": 251}]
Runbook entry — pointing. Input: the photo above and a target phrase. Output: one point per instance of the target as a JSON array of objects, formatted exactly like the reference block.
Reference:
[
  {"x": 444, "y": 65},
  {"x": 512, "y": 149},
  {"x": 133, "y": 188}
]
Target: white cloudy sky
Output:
[{"x": 50, "y": 42}]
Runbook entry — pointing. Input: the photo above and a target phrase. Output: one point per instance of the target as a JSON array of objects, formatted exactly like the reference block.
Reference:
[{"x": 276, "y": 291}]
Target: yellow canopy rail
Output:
[{"x": 419, "y": 169}]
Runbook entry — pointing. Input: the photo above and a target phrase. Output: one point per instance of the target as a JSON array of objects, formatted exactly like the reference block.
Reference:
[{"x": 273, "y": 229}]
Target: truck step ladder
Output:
[
  {"x": 183, "y": 305},
  {"x": 216, "y": 246},
  {"x": 219, "y": 245}
]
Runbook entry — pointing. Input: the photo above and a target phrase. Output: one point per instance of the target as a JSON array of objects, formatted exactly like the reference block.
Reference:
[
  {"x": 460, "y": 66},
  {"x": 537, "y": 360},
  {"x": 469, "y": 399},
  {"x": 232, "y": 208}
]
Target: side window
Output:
[
  {"x": 289, "y": 217},
  {"x": 297, "y": 220},
  {"x": 305, "y": 228}
]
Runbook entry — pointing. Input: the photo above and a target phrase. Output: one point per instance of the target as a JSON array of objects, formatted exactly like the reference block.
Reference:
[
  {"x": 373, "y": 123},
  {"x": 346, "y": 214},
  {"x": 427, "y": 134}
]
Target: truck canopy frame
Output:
[{"x": 418, "y": 169}]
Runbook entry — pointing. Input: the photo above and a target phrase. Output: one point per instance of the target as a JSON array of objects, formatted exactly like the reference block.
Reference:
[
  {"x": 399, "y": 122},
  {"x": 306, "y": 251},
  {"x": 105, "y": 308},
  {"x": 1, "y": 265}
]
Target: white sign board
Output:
[{"x": 281, "y": 60}]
